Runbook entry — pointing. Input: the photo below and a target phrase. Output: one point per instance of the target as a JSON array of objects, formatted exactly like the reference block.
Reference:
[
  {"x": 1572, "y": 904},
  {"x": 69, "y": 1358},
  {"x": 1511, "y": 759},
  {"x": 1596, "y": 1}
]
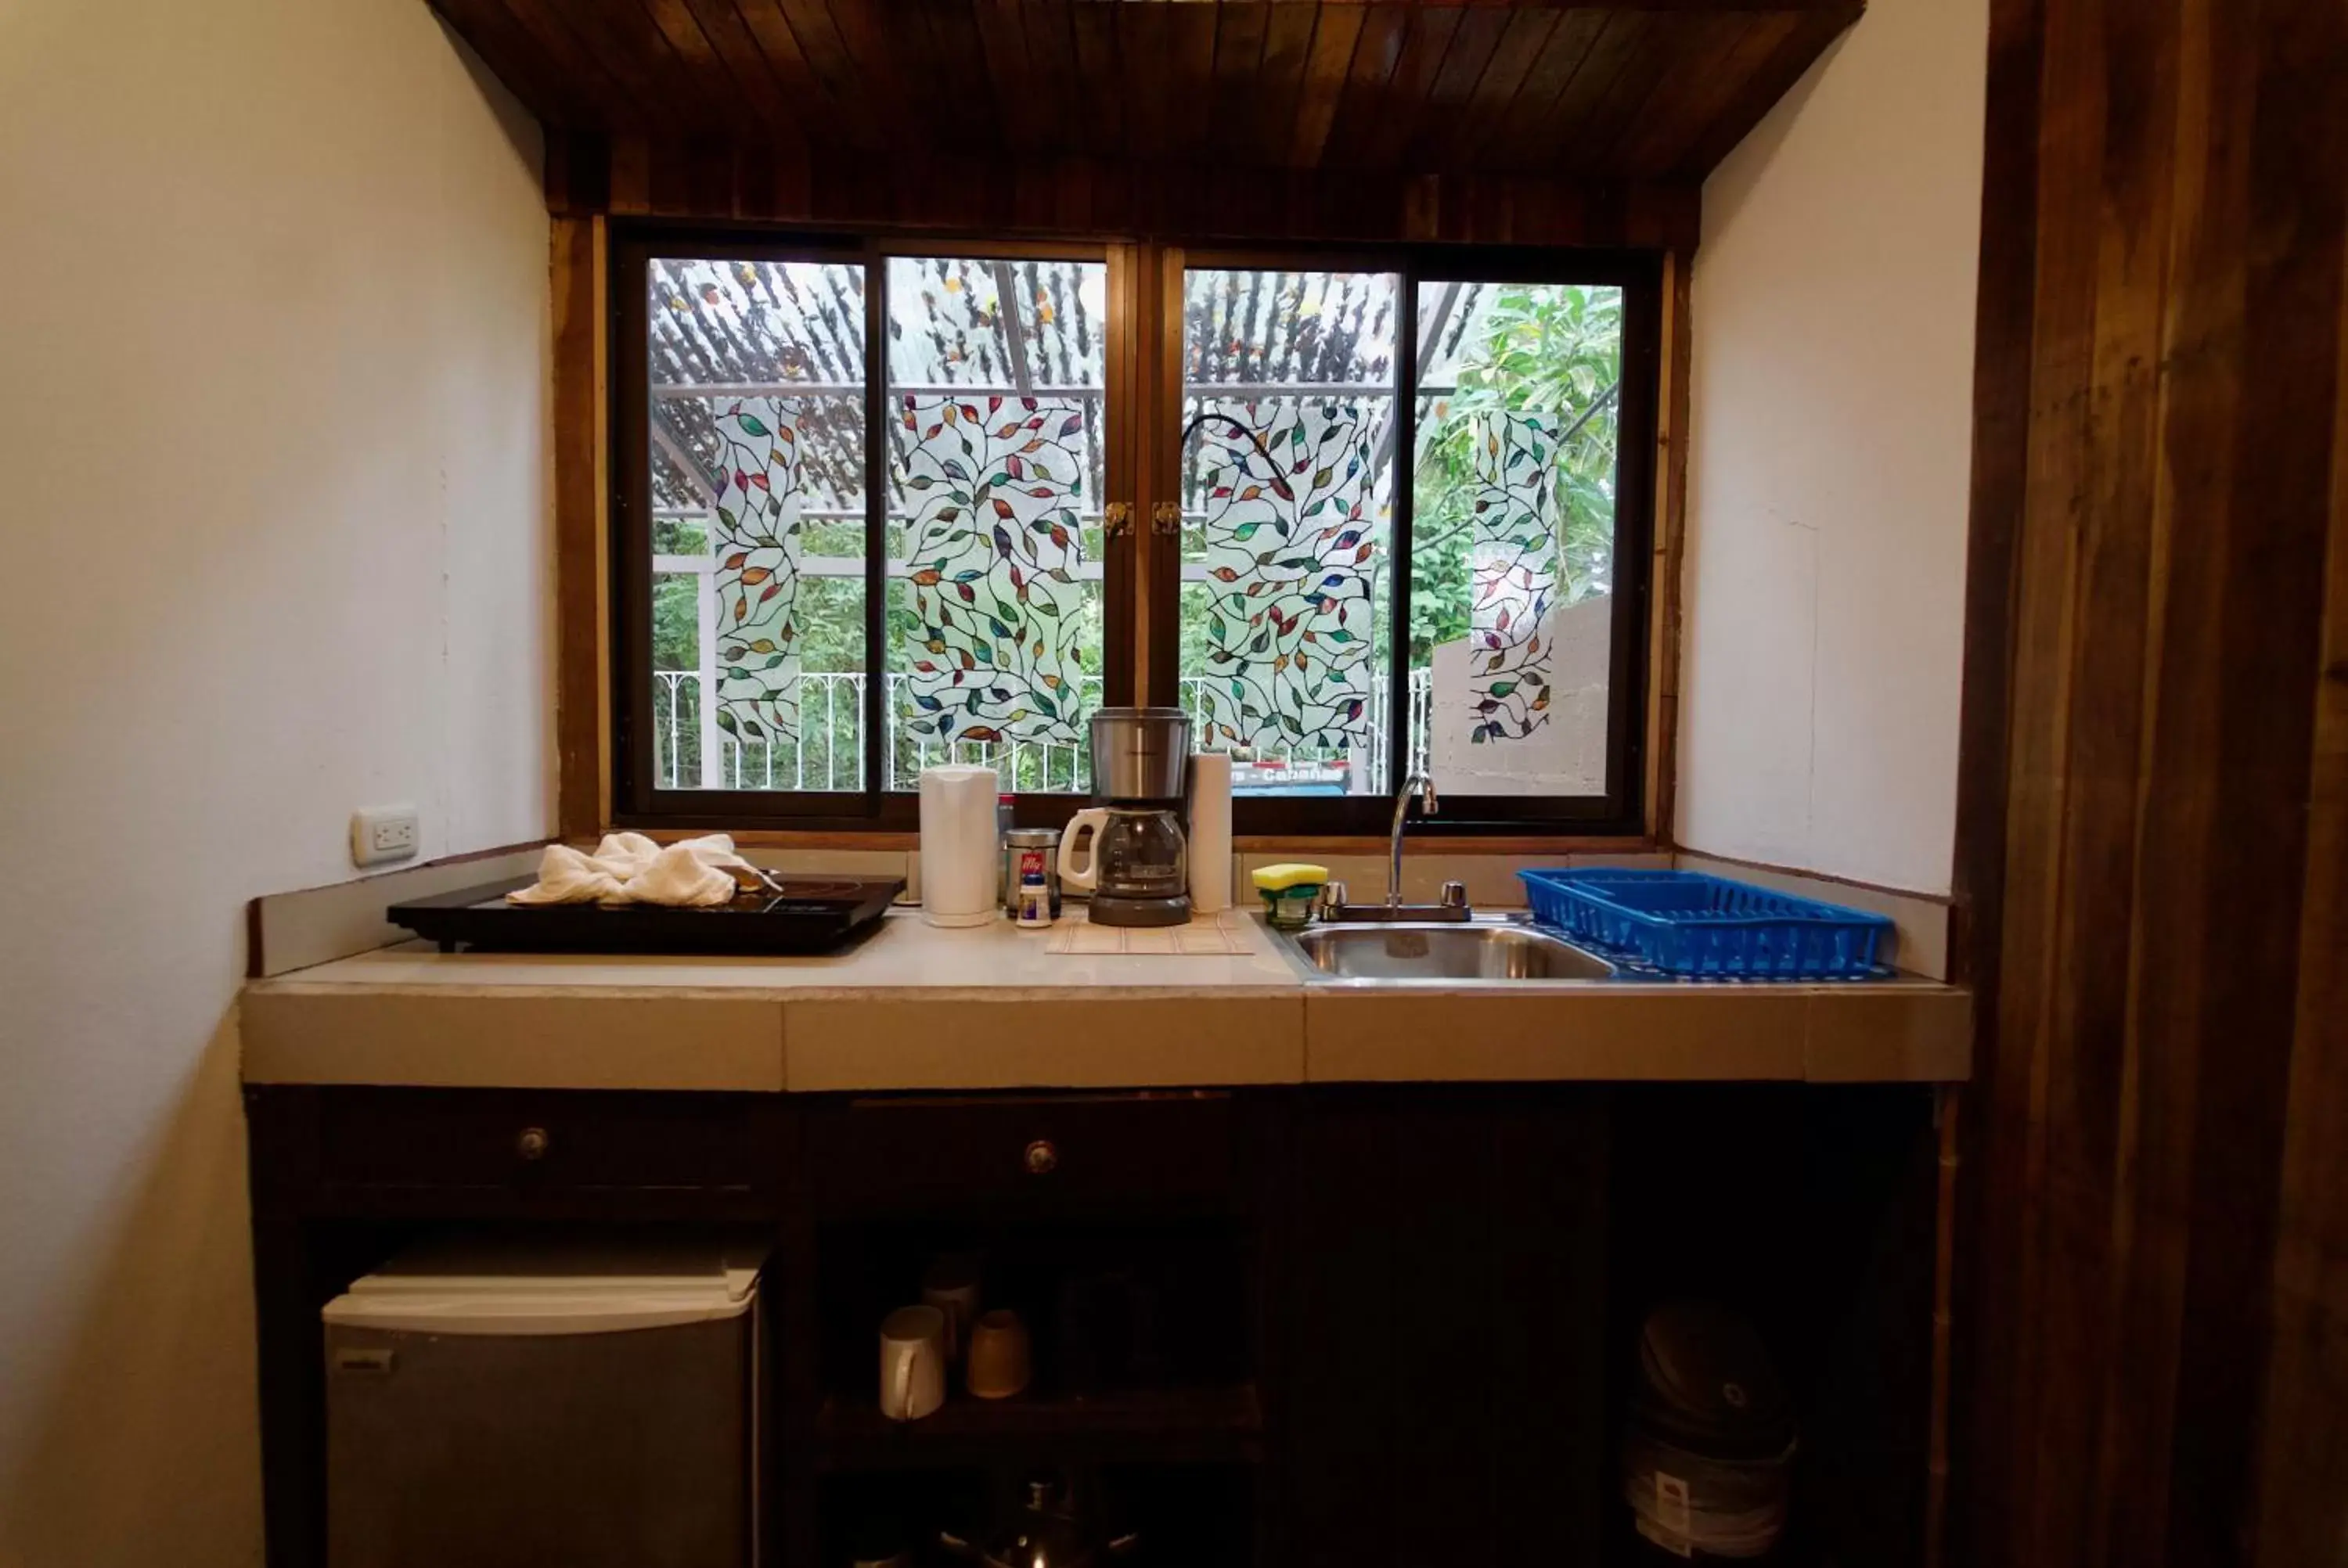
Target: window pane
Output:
[
  {"x": 756, "y": 454},
  {"x": 1512, "y": 535},
  {"x": 995, "y": 471},
  {"x": 1286, "y": 497}
]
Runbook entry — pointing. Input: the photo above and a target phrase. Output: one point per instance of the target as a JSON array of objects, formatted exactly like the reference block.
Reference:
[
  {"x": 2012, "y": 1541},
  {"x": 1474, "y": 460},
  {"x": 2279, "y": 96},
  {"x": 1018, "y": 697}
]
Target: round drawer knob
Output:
[
  {"x": 533, "y": 1143},
  {"x": 1042, "y": 1158}
]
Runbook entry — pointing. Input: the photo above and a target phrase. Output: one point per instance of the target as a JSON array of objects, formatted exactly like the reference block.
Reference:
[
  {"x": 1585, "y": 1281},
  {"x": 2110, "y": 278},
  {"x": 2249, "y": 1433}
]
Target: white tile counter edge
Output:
[{"x": 916, "y": 1007}]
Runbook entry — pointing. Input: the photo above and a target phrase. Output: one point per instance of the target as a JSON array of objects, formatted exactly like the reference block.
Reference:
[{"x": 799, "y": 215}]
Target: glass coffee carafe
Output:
[
  {"x": 1136, "y": 863},
  {"x": 1136, "y": 870}
]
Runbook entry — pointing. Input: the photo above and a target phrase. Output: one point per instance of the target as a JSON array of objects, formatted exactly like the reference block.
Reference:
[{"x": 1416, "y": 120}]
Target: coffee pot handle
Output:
[{"x": 1072, "y": 879}]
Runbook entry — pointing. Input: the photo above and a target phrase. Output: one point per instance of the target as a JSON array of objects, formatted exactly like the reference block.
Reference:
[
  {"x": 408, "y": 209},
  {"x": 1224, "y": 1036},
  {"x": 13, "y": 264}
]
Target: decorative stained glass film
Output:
[
  {"x": 993, "y": 550},
  {"x": 1290, "y": 587},
  {"x": 998, "y": 374},
  {"x": 756, "y": 542},
  {"x": 1512, "y": 536},
  {"x": 755, "y": 442},
  {"x": 1512, "y": 572},
  {"x": 1287, "y": 490}
]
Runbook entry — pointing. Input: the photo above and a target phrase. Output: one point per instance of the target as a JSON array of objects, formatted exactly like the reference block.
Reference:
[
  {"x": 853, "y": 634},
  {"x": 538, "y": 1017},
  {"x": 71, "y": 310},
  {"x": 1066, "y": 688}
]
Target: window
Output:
[
  {"x": 1515, "y": 530},
  {"x": 996, "y": 468},
  {"x": 1288, "y": 474},
  {"x": 859, "y": 503},
  {"x": 869, "y": 504}
]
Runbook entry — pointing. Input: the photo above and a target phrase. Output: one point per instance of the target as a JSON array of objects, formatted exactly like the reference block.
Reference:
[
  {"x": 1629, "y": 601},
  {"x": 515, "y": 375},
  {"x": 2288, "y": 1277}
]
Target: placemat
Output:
[{"x": 1205, "y": 937}]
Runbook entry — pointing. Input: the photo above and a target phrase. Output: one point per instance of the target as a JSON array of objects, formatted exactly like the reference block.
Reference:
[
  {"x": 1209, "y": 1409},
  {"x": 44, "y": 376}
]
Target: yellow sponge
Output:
[{"x": 1290, "y": 874}]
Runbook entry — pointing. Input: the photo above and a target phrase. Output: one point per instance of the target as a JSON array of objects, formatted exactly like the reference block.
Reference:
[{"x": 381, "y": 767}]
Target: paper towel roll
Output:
[
  {"x": 961, "y": 858},
  {"x": 1210, "y": 832}
]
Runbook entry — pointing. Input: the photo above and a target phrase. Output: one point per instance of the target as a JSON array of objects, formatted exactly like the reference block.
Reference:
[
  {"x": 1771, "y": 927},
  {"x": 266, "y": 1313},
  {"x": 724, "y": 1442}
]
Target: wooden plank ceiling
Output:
[{"x": 1635, "y": 93}]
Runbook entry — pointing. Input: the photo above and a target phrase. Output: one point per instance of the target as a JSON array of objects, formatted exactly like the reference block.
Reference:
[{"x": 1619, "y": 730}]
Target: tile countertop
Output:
[{"x": 914, "y": 1007}]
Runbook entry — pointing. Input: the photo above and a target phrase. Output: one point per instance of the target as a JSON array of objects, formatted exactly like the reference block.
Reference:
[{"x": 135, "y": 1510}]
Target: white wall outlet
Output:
[{"x": 381, "y": 833}]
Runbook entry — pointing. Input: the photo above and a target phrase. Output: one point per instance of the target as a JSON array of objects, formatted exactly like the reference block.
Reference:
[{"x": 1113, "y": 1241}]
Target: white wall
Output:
[
  {"x": 1831, "y": 427},
  {"x": 273, "y": 535}
]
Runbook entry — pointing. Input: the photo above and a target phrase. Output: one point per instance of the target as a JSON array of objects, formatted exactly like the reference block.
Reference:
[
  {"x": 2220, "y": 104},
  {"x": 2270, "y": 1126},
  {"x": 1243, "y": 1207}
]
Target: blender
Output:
[{"x": 1135, "y": 863}]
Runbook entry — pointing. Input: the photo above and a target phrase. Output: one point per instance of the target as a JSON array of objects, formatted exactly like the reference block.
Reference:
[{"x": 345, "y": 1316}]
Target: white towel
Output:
[
  {"x": 568, "y": 876},
  {"x": 629, "y": 868}
]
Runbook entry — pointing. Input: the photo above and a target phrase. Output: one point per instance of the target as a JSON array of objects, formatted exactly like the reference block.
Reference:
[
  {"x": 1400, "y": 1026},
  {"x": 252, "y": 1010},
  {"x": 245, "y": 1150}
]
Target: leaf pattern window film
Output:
[
  {"x": 755, "y": 543},
  {"x": 1512, "y": 572},
  {"x": 998, "y": 373},
  {"x": 1290, "y": 595},
  {"x": 1283, "y": 641},
  {"x": 756, "y": 444},
  {"x": 993, "y": 552},
  {"x": 1512, "y": 534}
]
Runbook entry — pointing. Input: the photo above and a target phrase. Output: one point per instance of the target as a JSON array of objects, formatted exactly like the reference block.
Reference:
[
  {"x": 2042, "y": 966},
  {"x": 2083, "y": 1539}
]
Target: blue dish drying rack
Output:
[{"x": 1690, "y": 924}]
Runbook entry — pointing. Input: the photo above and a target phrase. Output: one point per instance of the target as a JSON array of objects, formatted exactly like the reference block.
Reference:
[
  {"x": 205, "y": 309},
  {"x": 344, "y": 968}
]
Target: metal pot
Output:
[
  {"x": 1140, "y": 753},
  {"x": 1049, "y": 1530}
]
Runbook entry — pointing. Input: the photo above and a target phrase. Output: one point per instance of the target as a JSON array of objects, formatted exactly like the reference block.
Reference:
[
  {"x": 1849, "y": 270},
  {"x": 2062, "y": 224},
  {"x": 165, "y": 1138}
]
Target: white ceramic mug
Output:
[
  {"x": 1000, "y": 1359},
  {"x": 952, "y": 1286},
  {"x": 912, "y": 1363}
]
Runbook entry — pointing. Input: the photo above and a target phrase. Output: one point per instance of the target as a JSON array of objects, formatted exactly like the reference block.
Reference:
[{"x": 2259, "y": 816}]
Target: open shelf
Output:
[
  {"x": 1212, "y": 1425},
  {"x": 1187, "y": 1516}
]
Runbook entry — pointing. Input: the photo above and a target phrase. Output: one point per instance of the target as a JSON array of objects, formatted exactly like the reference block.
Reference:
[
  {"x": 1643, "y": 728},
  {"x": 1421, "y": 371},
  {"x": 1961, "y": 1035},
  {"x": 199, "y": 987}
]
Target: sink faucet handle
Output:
[
  {"x": 1332, "y": 899},
  {"x": 1454, "y": 895}
]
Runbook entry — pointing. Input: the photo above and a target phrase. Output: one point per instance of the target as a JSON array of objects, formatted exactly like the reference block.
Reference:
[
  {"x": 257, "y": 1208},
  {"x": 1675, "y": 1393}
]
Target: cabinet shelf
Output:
[{"x": 1214, "y": 1425}]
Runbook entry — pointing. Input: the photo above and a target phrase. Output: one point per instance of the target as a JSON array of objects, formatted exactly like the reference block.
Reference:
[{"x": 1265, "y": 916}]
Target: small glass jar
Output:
[{"x": 1035, "y": 902}]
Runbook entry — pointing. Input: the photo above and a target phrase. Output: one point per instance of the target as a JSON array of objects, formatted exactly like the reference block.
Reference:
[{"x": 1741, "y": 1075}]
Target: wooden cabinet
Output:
[
  {"x": 1442, "y": 1387},
  {"x": 541, "y": 1141},
  {"x": 916, "y": 1155},
  {"x": 1395, "y": 1319}
]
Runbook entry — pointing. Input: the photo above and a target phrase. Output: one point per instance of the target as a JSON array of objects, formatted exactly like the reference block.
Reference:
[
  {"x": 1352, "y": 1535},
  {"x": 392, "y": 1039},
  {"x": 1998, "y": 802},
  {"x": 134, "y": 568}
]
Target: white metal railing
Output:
[{"x": 828, "y": 754}]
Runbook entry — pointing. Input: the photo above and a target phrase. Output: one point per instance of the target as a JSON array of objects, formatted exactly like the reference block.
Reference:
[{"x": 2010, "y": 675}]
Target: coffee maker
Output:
[{"x": 1137, "y": 869}]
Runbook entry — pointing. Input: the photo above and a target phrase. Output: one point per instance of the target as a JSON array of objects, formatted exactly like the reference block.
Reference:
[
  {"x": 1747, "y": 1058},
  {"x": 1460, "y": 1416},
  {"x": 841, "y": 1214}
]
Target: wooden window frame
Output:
[
  {"x": 1141, "y": 571},
  {"x": 637, "y": 800},
  {"x": 1620, "y": 811}
]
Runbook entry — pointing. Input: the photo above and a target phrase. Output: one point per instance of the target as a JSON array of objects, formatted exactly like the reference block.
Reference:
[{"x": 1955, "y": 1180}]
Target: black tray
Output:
[{"x": 801, "y": 914}]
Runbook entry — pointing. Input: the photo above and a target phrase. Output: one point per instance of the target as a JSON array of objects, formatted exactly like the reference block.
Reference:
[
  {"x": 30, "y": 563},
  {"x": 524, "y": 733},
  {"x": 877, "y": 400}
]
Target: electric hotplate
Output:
[{"x": 805, "y": 913}]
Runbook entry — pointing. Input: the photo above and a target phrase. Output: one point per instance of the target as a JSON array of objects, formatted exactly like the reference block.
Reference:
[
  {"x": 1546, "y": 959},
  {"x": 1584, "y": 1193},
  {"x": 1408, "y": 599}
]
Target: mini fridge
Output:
[{"x": 492, "y": 1401}]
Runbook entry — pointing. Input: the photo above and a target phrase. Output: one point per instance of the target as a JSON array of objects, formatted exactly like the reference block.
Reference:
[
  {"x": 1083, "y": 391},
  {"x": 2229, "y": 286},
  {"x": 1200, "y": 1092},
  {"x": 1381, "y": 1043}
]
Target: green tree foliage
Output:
[{"x": 1553, "y": 349}]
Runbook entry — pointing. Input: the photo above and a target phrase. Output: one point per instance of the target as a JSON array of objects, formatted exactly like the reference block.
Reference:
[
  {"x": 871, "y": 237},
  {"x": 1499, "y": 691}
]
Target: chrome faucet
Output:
[
  {"x": 1428, "y": 806},
  {"x": 1334, "y": 905}
]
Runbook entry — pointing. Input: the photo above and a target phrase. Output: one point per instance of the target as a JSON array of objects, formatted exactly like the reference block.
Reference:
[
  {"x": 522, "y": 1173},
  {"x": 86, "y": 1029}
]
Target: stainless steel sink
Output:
[{"x": 1446, "y": 952}]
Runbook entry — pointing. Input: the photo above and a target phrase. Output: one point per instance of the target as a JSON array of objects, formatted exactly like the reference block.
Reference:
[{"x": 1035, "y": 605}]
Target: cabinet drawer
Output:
[
  {"x": 878, "y": 1156},
  {"x": 540, "y": 1139}
]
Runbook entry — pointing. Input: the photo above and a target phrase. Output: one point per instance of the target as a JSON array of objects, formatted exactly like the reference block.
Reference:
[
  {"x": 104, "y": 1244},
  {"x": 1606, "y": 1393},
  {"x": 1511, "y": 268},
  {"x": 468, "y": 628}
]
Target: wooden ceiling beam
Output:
[
  {"x": 1444, "y": 108},
  {"x": 805, "y": 92},
  {"x": 1520, "y": 49},
  {"x": 1515, "y": 142},
  {"x": 729, "y": 49},
  {"x": 1768, "y": 80},
  {"x": 1685, "y": 7},
  {"x": 1099, "y": 66},
  {"x": 851, "y": 55},
  {"x": 1280, "y": 80},
  {"x": 802, "y": 92},
  {"x": 1426, "y": 39},
  {"x": 1376, "y": 54},
  {"x": 1192, "y": 202},
  {"x": 1337, "y": 34}
]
